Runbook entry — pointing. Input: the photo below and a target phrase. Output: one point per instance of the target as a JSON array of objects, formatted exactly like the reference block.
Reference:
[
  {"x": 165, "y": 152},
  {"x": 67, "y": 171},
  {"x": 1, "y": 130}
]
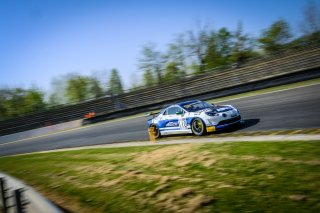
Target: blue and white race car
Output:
[{"x": 197, "y": 117}]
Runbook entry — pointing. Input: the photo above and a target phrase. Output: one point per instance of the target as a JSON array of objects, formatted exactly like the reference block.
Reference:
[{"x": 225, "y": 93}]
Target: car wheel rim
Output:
[
  {"x": 197, "y": 126},
  {"x": 155, "y": 131}
]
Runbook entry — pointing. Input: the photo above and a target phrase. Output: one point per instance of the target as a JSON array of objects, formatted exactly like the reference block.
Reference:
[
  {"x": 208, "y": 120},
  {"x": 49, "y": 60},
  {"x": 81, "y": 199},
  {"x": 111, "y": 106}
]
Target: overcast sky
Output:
[{"x": 42, "y": 39}]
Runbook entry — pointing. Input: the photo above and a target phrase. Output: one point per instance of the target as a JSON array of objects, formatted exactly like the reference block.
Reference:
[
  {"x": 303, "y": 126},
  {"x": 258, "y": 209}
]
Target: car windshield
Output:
[{"x": 196, "y": 106}]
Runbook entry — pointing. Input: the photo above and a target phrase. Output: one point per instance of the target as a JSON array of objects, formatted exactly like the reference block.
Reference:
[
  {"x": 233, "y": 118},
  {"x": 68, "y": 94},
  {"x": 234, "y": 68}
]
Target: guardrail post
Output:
[
  {"x": 19, "y": 201},
  {"x": 3, "y": 195}
]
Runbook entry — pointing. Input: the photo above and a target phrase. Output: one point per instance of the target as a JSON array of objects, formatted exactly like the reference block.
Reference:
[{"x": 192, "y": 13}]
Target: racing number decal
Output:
[{"x": 183, "y": 123}]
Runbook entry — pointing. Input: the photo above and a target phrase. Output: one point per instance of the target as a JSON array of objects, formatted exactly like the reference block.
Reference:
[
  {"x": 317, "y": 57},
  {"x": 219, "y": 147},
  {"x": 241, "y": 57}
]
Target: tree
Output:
[
  {"x": 224, "y": 43},
  {"x": 273, "y": 38},
  {"x": 115, "y": 85},
  {"x": 94, "y": 88},
  {"x": 173, "y": 73},
  {"x": 152, "y": 61},
  {"x": 74, "y": 88},
  {"x": 101, "y": 79},
  {"x": 17, "y": 101},
  {"x": 311, "y": 22},
  {"x": 58, "y": 91},
  {"x": 148, "y": 78},
  {"x": 176, "y": 54},
  {"x": 212, "y": 56},
  {"x": 34, "y": 100},
  {"x": 243, "y": 46},
  {"x": 197, "y": 45},
  {"x": 77, "y": 88},
  {"x": 219, "y": 49}
]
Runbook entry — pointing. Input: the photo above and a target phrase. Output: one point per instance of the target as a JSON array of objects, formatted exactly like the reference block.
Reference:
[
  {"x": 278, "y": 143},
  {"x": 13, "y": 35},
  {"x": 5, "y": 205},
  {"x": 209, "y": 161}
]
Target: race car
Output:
[{"x": 197, "y": 117}]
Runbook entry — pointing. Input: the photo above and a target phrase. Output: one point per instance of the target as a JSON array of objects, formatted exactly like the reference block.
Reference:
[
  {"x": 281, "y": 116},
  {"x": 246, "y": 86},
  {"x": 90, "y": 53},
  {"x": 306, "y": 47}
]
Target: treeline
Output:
[
  {"x": 68, "y": 89},
  {"x": 206, "y": 49},
  {"x": 190, "y": 53}
]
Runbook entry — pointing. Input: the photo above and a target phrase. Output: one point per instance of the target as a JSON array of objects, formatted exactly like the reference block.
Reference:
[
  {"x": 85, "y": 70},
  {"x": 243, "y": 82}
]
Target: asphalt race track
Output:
[{"x": 291, "y": 109}]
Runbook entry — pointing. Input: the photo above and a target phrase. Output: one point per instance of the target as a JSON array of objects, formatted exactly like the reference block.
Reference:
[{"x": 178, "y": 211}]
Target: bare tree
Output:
[
  {"x": 197, "y": 44},
  {"x": 311, "y": 23},
  {"x": 152, "y": 62}
]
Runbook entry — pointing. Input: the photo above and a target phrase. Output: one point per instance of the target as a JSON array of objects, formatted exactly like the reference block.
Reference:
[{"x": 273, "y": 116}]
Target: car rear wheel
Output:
[
  {"x": 154, "y": 131},
  {"x": 198, "y": 127}
]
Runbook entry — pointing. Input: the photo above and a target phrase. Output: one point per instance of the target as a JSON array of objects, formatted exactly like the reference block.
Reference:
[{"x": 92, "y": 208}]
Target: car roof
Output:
[{"x": 187, "y": 102}]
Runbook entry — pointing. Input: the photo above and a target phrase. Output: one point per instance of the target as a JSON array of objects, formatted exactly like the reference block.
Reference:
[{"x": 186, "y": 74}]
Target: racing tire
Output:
[
  {"x": 198, "y": 127},
  {"x": 155, "y": 131}
]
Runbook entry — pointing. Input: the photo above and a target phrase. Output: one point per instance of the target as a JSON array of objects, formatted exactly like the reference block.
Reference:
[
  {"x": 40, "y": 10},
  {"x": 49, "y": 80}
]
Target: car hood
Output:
[{"x": 216, "y": 109}]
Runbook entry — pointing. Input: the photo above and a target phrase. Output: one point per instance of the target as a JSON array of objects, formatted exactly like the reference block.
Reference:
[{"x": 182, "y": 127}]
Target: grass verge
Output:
[
  {"x": 228, "y": 177},
  {"x": 234, "y": 133}
]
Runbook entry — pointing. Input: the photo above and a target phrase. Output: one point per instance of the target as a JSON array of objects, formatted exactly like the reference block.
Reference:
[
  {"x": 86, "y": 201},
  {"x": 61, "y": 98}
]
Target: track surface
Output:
[{"x": 291, "y": 109}]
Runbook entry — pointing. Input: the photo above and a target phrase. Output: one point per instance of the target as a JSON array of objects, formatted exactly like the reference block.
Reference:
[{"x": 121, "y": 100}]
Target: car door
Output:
[{"x": 170, "y": 119}]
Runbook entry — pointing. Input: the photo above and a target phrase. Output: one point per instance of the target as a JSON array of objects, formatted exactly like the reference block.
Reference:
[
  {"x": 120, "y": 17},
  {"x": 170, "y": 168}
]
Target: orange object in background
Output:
[{"x": 90, "y": 115}]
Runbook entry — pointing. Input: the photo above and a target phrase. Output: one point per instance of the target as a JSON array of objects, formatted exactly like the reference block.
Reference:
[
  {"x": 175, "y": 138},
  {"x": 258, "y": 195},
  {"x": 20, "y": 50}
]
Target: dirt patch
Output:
[
  {"x": 183, "y": 192},
  {"x": 158, "y": 190},
  {"x": 297, "y": 197},
  {"x": 209, "y": 162},
  {"x": 109, "y": 183},
  {"x": 217, "y": 157},
  {"x": 311, "y": 162},
  {"x": 162, "y": 154},
  {"x": 225, "y": 186},
  {"x": 183, "y": 162},
  {"x": 179, "y": 200},
  {"x": 183, "y": 200},
  {"x": 199, "y": 201},
  {"x": 105, "y": 169},
  {"x": 204, "y": 160}
]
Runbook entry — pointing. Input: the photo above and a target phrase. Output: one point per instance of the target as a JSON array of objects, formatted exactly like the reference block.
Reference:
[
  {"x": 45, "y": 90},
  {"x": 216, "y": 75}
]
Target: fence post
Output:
[
  {"x": 3, "y": 195},
  {"x": 17, "y": 195}
]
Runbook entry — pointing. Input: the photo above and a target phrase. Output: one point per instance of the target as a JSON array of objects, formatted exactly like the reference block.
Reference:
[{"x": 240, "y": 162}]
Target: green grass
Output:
[{"x": 228, "y": 177}]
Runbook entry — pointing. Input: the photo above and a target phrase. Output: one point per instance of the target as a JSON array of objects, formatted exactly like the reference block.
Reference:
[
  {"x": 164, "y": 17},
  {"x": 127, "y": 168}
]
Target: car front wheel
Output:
[
  {"x": 154, "y": 131},
  {"x": 198, "y": 127}
]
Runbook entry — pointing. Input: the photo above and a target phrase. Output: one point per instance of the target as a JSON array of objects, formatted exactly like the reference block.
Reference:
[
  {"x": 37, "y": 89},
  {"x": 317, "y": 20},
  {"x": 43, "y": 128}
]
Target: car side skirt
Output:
[{"x": 173, "y": 132}]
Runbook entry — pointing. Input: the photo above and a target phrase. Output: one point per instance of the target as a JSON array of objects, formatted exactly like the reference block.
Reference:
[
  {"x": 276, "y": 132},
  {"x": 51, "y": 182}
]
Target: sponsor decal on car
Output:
[{"x": 172, "y": 124}]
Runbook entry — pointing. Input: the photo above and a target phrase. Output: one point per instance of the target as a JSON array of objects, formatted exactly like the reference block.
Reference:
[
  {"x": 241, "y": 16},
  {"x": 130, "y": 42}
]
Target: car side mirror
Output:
[{"x": 179, "y": 113}]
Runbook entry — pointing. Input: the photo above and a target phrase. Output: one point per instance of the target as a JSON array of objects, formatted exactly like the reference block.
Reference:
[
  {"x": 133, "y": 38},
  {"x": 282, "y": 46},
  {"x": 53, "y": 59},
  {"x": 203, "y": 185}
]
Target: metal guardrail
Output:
[
  {"x": 12, "y": 200},
  {"x": 17, "y": 197},
  {"x": 219, "y": 80}
]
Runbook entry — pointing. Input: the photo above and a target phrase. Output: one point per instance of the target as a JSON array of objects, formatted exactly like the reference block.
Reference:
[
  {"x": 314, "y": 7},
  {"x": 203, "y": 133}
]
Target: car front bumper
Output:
[{"x": 225, "y": 124}]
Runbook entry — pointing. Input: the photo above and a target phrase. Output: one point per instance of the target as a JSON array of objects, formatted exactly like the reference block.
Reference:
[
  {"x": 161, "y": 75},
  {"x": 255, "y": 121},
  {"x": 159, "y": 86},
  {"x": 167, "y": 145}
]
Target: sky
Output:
[{"x": 44, "y": 39}]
